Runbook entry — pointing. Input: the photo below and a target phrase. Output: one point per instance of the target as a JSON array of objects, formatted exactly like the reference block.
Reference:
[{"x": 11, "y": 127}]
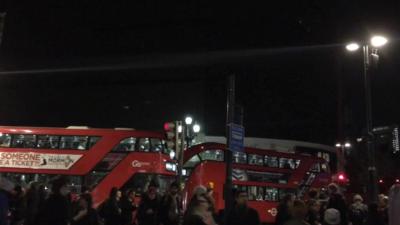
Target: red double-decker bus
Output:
[
  {"x": 96, "y": 158},
  {"x": 266, "y": 175}
]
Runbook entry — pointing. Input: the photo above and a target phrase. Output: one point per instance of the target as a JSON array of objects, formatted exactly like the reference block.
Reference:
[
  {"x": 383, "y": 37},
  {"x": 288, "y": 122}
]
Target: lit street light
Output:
[
  {"x": 188, "y": 120},
  {"x": 368, "y": 56}
]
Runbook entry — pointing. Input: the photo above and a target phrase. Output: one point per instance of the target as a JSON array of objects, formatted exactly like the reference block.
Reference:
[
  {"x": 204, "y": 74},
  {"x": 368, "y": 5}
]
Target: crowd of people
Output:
[
  {"x": 34, "y": 207},
  {"x": 332, "y": 209}
]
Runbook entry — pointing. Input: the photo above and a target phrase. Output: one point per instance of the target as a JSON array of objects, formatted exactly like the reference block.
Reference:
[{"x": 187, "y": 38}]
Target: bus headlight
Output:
[{"x": 170, "y": 166}]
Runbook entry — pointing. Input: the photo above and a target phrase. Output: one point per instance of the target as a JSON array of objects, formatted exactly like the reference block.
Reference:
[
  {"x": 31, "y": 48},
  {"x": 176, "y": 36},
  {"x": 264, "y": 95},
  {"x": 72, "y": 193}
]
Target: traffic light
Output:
[
  {"x": 341, "y": 178},
  {"x": 171, "y": 134}
]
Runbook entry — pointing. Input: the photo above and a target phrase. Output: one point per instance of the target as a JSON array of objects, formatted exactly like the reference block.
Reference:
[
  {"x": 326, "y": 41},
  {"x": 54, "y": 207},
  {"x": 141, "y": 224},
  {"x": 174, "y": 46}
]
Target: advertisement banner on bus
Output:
[{"x": 34, "y": 160}]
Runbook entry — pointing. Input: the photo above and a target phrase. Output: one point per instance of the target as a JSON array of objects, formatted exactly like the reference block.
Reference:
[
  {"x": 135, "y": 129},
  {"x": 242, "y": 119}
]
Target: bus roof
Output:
[{"x": 279, "y": 145}]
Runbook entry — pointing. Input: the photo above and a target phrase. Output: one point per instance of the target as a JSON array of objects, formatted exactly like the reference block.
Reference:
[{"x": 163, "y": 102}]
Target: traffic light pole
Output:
[
  {"x": 230, "y": 112},
  {"x": 180, "y": 150},
  {"x": 372, "y": 178}
]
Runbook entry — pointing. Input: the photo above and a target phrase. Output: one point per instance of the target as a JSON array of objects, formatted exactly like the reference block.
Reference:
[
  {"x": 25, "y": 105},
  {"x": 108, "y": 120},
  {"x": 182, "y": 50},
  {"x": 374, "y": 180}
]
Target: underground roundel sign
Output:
[{"x": 273, "y": 211}]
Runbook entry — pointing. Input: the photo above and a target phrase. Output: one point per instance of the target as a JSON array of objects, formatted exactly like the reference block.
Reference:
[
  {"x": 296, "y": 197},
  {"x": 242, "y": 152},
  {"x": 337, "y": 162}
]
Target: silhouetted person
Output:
[
  {"x": 198, "y": 211},
  {"x": 171, "y": 206},
  {"x": 32, "y": 203},
  {"x": 148, "y": 212},
  {"x": 336, "y": 201},
  {"x": 298, "y": 213},
  {"x": 128, "y": 206},
  {"x": 85, "y": 215},
  {"x": 111, "y": 210},
  {"x": 242, "y": 214},
  {"x": 18, "y": 206},
  {"x": 283, "y": 209},
  {"x": 358, "y": 211},
  {"x": 374, "y": 218},
  {"x": 313, "y": 216},
  {"x": 57, "y": 208}
]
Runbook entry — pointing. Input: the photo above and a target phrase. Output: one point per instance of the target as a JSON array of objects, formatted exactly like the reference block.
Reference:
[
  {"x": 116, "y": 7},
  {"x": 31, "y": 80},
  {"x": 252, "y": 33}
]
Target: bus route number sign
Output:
[{"x": 236, "y": 136}]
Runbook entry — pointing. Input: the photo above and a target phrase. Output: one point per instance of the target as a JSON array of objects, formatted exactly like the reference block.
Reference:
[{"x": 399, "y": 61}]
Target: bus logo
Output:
[
  {"x": 137, "y": 163},
  {"x": 273, "y": 211}
]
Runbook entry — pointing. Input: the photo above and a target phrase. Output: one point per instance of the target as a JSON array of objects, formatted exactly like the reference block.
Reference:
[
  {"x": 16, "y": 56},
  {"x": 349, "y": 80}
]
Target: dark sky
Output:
[{"x": 140, "y": 63}]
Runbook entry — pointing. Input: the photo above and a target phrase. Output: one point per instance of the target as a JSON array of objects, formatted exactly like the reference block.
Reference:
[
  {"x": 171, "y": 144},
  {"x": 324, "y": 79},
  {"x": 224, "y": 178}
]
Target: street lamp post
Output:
[
  {"x": 376, "y": 42},
  {"x": 342, "y": 147}
]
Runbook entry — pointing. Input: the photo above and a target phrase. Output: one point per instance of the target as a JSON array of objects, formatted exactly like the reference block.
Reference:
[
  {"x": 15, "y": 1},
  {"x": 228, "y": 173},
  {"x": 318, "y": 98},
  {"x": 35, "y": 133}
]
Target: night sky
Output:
[{"x": 141, "y": 63}]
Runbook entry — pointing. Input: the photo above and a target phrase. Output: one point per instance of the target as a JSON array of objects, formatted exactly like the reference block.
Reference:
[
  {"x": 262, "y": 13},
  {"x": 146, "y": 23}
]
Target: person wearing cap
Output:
[
  {"x": 358, "y": 211},
  {"x": 149, "y": 207},
  {"x": 332, "y": 217}
]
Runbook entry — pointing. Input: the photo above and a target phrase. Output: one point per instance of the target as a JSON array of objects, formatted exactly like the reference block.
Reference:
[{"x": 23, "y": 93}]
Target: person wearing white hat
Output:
[
  {"x": 331, "y": 217},
  {"x": 358, "y": 211}
]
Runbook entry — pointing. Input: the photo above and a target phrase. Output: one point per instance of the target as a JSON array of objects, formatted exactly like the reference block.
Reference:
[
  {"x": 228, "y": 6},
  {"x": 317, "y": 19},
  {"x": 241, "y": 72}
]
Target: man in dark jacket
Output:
[
  {"x": 57, "y": 208},
  {"x": 148, "y": 212},
  {"x": 171, "y": 206},
  {"x": 242, "y": 214},
  {"x": 336, "y": 201}
]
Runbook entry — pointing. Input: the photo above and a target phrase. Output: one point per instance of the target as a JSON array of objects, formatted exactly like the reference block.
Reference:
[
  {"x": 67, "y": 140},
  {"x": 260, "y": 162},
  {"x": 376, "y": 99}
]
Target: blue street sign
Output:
[{"x": 236, "y": 135}]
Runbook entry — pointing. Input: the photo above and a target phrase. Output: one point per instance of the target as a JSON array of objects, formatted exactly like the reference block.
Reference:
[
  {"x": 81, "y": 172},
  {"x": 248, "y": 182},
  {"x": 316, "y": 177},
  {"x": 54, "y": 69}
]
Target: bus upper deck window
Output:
[
  {"x": 5, "y": 140},
  {"x": 24, "y": 141},
  {"x": 256, "y": 160},
  {"x": 47, "y": 141},
  {"x": 126, "y": 145},
  {"x": 239, "y": 157},
  {"x": 156, "y": 145},
  {"x": 271, "y": 161},
  {"x": 144, "y": 145}
]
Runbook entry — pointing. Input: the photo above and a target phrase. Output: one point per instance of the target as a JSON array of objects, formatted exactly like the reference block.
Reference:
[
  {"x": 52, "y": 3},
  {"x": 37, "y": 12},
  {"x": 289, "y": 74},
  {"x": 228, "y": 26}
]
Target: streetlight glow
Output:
[
  {"x": 180, "y": 129},
  {"x": 352, "y": 47},
  {"x": 378, "y": 41},
  {"x": 347, "y": 145},
  {"x": 196, "y": 128},
  {"x": 188, "y": 120},
  {"x": 338, "y": 145}
]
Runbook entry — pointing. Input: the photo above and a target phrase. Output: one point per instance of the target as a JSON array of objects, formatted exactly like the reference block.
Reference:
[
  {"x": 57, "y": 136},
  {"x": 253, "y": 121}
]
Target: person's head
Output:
[
  {"x": 332, "y": 216},
  {"x": 174, "y": 188},
  {"x": 85, "y": 201},
  {"x": 357, "y": 198},
  {"x": 313, "y": 205},
  {"x": 18, "y": 190},
  {"x": 241, "y": 197},
  {"x": 60, "y": 187},
  {"x": 130, "y": 194},
  {"x": 299, "y": 210},
  {"x": 199, "y": 203},
  {"x": 199, "y": 190},
  {"x": 152, "y": 192},
  {"x": 115, "y": 193},
  {"x": 333, "y": 188},
  {"x": 288, "y": 200},
  {"x": 313, "y": 194}
]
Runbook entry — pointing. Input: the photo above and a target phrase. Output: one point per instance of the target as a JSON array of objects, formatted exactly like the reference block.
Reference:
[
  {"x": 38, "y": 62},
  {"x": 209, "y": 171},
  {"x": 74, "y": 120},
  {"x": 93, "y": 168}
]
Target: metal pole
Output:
[
  {"x": 180, "y": 156},
  {"x": 372, "y": 181},
  {"x": 230, "y": 112}
]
